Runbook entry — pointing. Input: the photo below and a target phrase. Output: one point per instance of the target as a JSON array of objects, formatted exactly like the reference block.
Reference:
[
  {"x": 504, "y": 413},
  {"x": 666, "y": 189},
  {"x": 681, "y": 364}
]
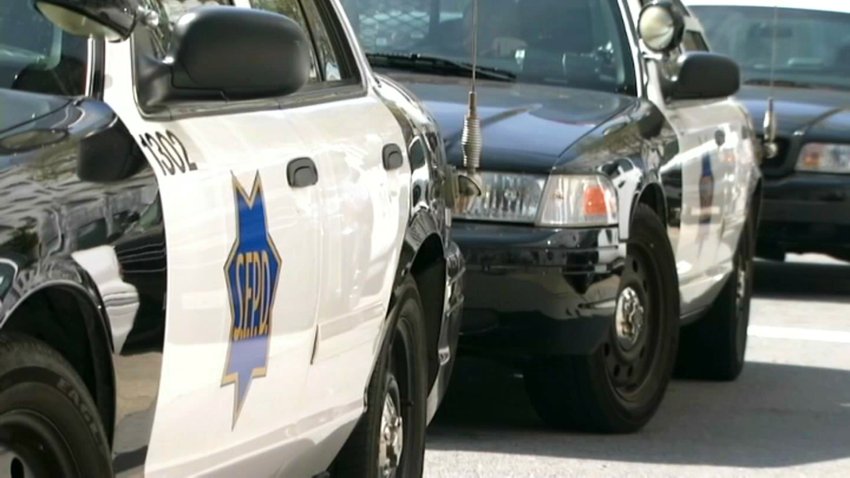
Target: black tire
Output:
[
  {"x": 400, "y": 376},
  {"x": 714, "y": 347},
  {"x": 49, "y": 424},
  {"x": 619, "y": 387}
]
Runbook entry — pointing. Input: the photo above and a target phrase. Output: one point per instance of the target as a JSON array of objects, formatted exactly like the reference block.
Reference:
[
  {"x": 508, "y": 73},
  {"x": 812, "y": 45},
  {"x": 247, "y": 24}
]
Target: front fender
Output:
[{"x": 65, "y": 275}]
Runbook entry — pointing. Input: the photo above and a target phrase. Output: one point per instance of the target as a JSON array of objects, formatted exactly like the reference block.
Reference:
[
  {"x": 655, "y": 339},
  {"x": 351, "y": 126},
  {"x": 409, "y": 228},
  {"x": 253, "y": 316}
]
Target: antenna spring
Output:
[{"x": 471, "y": 139}]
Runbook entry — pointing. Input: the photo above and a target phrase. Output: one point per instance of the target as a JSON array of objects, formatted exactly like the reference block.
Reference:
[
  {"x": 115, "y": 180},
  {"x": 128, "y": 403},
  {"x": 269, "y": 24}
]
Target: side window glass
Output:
[
  {"x": 291, "y": 9},
  {"x": 37, "y": 56},
  {"x": 694, "y": 41},
  {"x": 169, "y": 11},
  {"x": 327, "y": 57}
]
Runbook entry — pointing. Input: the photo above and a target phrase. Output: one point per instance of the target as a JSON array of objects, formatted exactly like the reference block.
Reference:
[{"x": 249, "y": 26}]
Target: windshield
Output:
[
  {"x": 37, "y": 56},
  {"x": 812, "y": 47},
  {"x": 576, "y": 43}
]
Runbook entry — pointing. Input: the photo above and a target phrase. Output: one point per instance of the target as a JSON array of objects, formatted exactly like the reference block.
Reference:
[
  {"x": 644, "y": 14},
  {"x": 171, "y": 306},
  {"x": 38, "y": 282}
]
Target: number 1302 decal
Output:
[{"x": 168, "y": 151}]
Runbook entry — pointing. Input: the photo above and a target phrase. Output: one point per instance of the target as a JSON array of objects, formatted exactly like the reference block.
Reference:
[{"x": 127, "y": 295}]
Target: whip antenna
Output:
[
  {"x": 471, "y": 139},
  {"x": 769, "y": 122}
]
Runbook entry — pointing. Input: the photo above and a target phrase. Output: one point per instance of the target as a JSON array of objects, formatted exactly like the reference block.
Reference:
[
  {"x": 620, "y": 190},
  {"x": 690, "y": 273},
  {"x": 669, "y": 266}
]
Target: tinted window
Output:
[
  {"x": 291, "y": 9},
  {"x": 327, "y": 63},
  {"x": 812, "y": 48},
  {"x": 578, "y": 43},
  {"x": 37, "y": 56},
  {"x": 169, "y": 12},
  {"x": 693, "y": 41},
  {"x": 330, "y": 49}
]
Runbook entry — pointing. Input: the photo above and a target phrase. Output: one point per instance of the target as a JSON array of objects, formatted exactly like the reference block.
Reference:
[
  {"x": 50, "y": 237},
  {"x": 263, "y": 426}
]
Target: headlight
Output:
[
  {"x": 505, "y": 197},
  {"x": 825, "y": 158},
  {"x": 560, "y": 201},
  {"x": 571, "y": 201}
]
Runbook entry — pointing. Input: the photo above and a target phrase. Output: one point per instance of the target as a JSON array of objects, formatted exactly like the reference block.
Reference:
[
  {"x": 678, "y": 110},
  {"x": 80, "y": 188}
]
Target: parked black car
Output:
[
  {"x": 620, "y": 191},
  {"x": 807, "y": 184}
]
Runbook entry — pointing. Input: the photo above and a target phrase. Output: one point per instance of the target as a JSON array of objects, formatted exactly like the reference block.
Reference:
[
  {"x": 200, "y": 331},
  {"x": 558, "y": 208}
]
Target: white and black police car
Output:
[
  {"x": 223, "y": 245},
  {"x": 620, "y": 191}
]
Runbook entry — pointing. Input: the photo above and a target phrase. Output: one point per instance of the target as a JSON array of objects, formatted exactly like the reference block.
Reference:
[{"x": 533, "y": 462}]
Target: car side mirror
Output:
[
  {"x": 661, "y": 26},
  {"x": 227, "y": 53},
  {"x": 703, "y": 76},
  {"x": 113, "y": 20}
]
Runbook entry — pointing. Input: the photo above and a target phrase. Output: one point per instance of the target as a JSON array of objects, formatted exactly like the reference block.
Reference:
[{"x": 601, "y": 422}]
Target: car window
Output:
[
  {"x": 812, "y": 47},
  {"x": 577, "y": 43},
  {"x": 329, "y": 49},
  {"x": 37, "y": 56},
  {"x": 694, "y": 41},
  {"x": 169, "y": 11},
  {"x": 326, "y": 55}
]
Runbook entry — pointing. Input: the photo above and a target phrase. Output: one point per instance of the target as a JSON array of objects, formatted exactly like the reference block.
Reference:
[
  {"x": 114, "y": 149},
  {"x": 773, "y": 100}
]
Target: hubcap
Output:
[
  {"x": 632, "y": 349},
  {"x": 30, "y": 446},
  {"x": 12, "y": 465},
  {"x": 629, "y": 318},
  {"x": 392, "y": 432}
]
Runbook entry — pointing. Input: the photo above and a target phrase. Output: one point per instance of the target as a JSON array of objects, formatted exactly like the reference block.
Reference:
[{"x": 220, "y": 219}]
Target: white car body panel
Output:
[
  {"x": 339, "y": 244},
  {"x": 704, "y": 250}
]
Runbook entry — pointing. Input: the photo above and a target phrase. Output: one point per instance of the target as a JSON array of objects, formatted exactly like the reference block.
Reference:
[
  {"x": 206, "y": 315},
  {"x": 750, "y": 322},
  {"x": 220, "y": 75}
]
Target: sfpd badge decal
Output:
[{"x": 252, "y": 271}]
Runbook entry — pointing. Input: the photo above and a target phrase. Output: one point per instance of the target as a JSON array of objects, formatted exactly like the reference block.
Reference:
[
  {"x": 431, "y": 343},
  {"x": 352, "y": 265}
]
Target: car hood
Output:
[
  {"x": 526, "y": 127},
  {"x": 18, "y": 108},
  {"x": 815, "y": 112}
]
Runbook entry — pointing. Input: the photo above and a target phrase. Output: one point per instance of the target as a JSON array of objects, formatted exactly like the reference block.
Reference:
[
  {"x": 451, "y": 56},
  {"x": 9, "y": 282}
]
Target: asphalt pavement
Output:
[{"x": 787, "y": 415}]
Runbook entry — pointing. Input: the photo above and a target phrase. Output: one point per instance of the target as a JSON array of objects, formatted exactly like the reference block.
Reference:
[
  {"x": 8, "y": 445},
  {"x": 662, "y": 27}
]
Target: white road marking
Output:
[{"x": 798, "y": 333}]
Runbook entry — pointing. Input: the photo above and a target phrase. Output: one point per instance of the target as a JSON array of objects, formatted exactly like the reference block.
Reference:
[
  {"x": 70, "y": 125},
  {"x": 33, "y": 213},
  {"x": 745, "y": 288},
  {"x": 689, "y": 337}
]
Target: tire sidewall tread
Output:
[
  {"x": 27, "y": 364},
  {"x": 358, "y": 456},
  {"x": 574, "y": 391}
]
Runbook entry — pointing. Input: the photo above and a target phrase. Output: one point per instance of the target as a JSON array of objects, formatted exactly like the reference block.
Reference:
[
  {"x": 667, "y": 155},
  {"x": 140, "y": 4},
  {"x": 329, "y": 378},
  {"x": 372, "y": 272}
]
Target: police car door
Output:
[
  {"x": 707, "y": 130},
  {"x": 365, "y": 212},
  {"x": 243, "y": 260}
]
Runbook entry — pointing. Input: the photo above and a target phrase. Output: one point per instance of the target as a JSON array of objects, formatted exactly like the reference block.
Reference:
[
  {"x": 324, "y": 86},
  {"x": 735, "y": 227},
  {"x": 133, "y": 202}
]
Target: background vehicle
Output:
[
  {"x": 807, "y": 187},
  {"x": 620, "y": 192},
  {"x": 207, "y": 265}
]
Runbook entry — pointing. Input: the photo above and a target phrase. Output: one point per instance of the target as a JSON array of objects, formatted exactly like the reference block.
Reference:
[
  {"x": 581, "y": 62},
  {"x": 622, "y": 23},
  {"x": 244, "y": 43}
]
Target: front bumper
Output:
[
  {"x": 538, "y": 291},
  {"x": 806, "y": 212}
]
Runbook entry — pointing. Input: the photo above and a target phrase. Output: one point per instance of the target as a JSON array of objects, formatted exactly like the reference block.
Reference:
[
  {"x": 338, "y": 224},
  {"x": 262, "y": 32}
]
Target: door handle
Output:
[
  {"x": 301, "y": 173},
  {"x": 393, "y": 159}
]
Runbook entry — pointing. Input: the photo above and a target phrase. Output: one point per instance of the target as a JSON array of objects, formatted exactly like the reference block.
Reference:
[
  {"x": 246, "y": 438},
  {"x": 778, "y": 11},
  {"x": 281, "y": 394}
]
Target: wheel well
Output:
[
  {"x": 653, "y": 196},
  {"x": 429, "y": 272},
  {"x": 59, "y": 317}
]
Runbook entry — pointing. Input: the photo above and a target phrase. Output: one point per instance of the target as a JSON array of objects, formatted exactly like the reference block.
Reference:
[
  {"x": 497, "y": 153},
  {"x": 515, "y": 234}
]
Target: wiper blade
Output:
[
  {"x": 418, "y": 61},
  {"x": 785, "y": 83}
]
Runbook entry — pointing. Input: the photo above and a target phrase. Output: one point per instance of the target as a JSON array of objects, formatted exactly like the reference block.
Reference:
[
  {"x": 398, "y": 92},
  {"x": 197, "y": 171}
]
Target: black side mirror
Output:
[
  {"x": 227, "y": 53},
  {"x": 110, "y": 19},
  {"x": 704, "y": 75}
]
